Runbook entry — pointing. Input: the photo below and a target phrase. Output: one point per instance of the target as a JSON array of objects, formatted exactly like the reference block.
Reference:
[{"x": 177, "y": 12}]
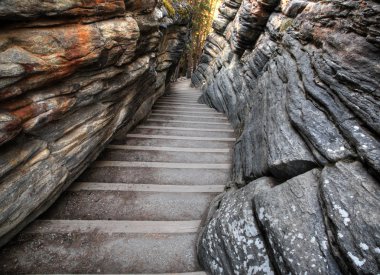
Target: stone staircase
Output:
[{"x": 138, "y": 208}]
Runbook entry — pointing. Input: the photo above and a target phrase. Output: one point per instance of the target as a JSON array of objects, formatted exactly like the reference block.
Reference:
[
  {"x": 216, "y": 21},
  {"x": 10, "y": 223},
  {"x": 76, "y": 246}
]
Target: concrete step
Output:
[
  {"x": 207, "y": 121},
  {"x": 128, "y": 204},
  {"x": 174, "y": 142},
  {"x": 186, "y": 124},
  {"x": 154, "y": 175},
  {"x": 143, "y": 155},
  {"x": 191, "y": 97},
  {"x": 73, "y": 246},
  {"x": 188, "y": 118},
  {"x": 170, "y": 149},
  {"x": 171, "y": 104},
  {"x": 199, "y": 130},
  {"x": 184, "y": 109},
  {"x": 187, "y": 111},
  {"x": 181, "y": 91},
  {"x": 188, "y": 132},
  {"x": 177, "y": 102},
  {"x": 182, "y": 106},
  {"x": 164, "y": 165}
]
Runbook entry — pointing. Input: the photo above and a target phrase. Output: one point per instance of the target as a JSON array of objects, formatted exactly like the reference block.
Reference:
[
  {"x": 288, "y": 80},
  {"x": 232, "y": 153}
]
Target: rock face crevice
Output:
[
  {"x": 299, "y": 82},
  {"x": 73, "y": 74}
]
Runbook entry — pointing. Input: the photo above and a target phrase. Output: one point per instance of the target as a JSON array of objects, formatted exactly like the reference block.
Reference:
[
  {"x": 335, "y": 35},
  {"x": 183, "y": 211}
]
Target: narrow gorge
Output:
[{"x": 266, "y": 162}]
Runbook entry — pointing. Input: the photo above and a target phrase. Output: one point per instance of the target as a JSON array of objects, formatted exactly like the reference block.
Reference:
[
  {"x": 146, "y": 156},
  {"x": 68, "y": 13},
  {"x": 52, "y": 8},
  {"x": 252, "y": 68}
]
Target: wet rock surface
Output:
[
  {"x": 299, "y": 80},
  {"x": 73, "y": 74}
]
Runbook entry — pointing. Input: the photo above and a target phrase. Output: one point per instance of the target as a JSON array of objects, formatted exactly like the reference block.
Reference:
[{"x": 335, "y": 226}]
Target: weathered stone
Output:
[
  {"x": 300, "y": 84},
  {"x": 231, "y": 242},
  {"x": 291, "y": 217},
  {"x": 51, "y": 54},
  {"x": 25, "y": 9},
  {"x": 351, "y": 200},
  {"x": 72, "y": 75},
  {"x": 10, "y": 126},
  {"x": 249, "y": 23},
  {"x": 24, "y": 195}
]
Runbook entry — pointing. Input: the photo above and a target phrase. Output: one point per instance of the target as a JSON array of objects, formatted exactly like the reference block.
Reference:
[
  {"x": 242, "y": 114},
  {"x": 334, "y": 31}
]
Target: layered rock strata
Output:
[
  {"x": 72, "y": 75},
  {"x": 299, "y": 80}
]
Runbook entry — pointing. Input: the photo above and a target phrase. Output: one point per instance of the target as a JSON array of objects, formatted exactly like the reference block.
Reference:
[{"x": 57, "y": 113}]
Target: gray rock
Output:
[
  {"x": 291, "y": 217},
  {"x": 300, "y": 84},
  {"x": 351, "y": 200},
  {"x": 231, "y": 242}
]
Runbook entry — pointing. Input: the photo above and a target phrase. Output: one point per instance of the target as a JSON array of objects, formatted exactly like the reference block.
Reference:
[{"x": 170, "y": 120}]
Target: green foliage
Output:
[
  {"x": 203, "y": 15},
  {"x": 169, "y": 7},
  {"x": 178, "y": 8}
]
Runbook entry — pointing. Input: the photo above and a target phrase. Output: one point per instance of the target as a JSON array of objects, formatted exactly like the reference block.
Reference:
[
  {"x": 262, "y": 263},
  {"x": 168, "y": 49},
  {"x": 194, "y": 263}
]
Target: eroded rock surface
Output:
[
  {"x": 243, "y": 251},
  {"x": 299, "y": 80},
  {"x": 72, "y": 75}
]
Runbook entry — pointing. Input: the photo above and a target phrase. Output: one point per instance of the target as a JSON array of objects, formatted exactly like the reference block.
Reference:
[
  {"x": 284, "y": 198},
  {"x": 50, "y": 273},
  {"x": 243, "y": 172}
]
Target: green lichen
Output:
[{"x": 286, "y": 24}]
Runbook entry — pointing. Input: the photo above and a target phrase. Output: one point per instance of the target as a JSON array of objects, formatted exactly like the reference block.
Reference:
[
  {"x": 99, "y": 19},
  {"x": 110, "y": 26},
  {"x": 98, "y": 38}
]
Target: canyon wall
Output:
[
  {"x": 299, "y": 80},
  {"x": 74, "y": 75}
]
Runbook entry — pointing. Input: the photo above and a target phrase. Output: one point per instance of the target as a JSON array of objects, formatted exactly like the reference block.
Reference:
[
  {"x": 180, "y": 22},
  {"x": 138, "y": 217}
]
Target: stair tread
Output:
[
  {"x": 181, "y": 137},
  {"x": 149, "y": 175},
  {"x": 102, "y": 252},
  {"x": 185, "y": 129},
  {"x": 129, "y": 204},
  {"x": 164, "y": 156},
  {"x": 183, "y": 132},
  {"x": 187, "y": 124},
  {"x": 173, "y": 165},
  {"x": 175, "y": 142},
  {"x": 170, "y": 149},
  {"x": 189, "y": 121}
]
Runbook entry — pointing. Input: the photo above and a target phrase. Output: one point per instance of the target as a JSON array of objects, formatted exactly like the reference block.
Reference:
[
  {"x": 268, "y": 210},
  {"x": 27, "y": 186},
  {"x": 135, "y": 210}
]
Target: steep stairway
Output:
[{"x": 138, "y": 208}]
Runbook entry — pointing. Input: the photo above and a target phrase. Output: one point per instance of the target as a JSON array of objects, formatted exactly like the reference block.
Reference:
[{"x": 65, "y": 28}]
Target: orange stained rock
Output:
[
  {"x": 96, "y": 7},
  {"x": 60, "y": 51},
  {"x": 25, "y": 113}
]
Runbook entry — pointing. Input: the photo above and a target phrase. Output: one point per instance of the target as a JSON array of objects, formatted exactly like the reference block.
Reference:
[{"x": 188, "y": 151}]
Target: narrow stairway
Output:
[{"x": 138, "y": 208}]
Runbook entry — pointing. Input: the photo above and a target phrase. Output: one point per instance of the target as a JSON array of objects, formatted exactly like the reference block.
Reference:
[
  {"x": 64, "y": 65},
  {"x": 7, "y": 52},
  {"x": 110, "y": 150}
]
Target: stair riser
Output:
[
  {"x": 188, "y": 118},
  {"x": 162, "y": 156},
  {"x": 139, "y": 175},
  {"x": 182, "y": 105},
  {"x": 185, "y": 133},
  {"x": 167, "y": 123},
  {"x": 187, "y": 112},
  {"x": 178, "y": 143},
  {"x": 192, "y": 98},
  {"x": 184, "y": 101}
]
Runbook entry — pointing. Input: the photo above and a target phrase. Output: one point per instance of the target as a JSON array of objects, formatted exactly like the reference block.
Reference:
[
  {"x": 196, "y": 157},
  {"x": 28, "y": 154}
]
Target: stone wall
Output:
[
  {"x": 299, "y": 80},
  {"x": 73, "y": 74}
]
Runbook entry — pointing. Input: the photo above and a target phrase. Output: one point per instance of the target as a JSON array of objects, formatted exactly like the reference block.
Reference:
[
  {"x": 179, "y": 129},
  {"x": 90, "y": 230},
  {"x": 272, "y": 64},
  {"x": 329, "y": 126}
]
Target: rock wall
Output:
[
  {"x": 299, "y": 80},
  {"x": 73, "y": 74}
]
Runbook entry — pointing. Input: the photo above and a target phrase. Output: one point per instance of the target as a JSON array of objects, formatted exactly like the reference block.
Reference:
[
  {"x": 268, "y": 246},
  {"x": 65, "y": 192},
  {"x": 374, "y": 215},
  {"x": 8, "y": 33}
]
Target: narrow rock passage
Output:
[{"x": 138, "y": 208}]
